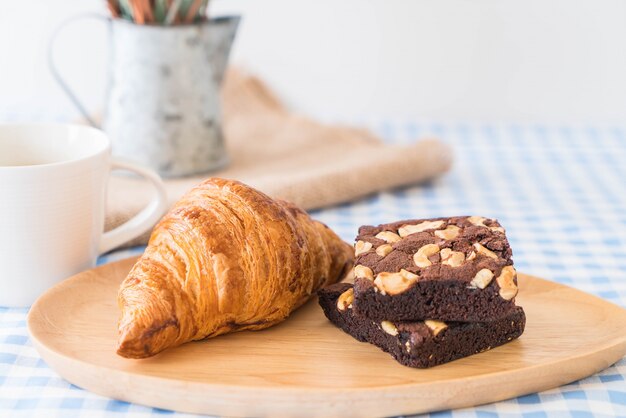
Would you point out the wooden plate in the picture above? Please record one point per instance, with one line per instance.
(307, 367)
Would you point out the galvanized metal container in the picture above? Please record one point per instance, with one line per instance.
(163, 106)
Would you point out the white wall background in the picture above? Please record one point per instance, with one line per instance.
(485, 60)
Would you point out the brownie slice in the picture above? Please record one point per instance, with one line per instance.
(419, 344)
(452, 269)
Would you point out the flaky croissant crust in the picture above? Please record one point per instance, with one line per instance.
(226, 258)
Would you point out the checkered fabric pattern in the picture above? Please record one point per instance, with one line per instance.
(559, 191)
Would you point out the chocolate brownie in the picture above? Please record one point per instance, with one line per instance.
(419, 344)
(452, 269)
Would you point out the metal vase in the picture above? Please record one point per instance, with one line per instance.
(163, 106)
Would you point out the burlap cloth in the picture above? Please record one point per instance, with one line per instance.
(291, 157)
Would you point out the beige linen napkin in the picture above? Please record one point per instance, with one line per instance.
(291, 157)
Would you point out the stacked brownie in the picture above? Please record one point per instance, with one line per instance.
(429, 291)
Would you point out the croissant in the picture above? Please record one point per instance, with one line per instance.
(226, 258)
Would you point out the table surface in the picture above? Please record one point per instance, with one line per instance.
(560, 191)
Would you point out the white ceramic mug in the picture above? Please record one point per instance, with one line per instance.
(53, 182)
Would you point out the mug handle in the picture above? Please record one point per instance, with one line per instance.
(55, 71)
(145, 219)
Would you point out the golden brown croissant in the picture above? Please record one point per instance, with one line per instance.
(226, 258)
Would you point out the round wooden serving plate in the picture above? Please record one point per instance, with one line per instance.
(307, 367)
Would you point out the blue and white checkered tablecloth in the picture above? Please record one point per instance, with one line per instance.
(559, 190)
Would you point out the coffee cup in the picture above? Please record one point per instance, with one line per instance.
(53, 181)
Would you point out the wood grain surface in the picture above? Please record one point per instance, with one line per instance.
(307, 367)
